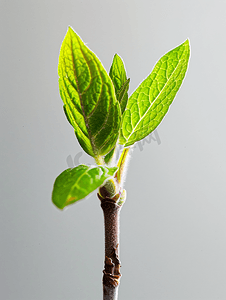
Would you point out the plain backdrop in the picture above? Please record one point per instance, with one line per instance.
(173, 224)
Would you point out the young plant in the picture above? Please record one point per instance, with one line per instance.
(103, 116)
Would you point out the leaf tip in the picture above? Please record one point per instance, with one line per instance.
(187, 42)
(69, 28)
(60, 207)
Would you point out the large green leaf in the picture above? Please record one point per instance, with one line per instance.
(151, 100)
(75, 184)
(89, 98)
(121, 83)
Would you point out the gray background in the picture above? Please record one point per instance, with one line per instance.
(173, 224)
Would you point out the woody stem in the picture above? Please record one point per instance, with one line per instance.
(111, 271)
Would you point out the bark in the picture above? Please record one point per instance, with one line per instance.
(111, 270)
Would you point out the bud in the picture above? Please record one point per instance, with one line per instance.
(122, 198)
(110, 189)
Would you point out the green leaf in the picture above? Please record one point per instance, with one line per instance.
(122, 96)
(121, 83)
(117, 72)
(89, 98)
(151, 100)
(75, 184)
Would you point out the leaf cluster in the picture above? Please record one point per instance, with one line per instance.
(102, 114)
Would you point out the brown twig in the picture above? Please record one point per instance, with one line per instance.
(111, 277)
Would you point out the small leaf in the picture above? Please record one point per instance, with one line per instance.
(151, 100)
(89, 98)
(76, 183)
(117, 72)
(121, 84)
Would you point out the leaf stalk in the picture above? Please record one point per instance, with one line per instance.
(122, 164)
(99, 160)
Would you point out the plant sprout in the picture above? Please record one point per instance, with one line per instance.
(103, 117)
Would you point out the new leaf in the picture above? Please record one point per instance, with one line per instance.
(120, 81)
(121, 85)
(151, 100)
(89, 98)
(75, 184)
